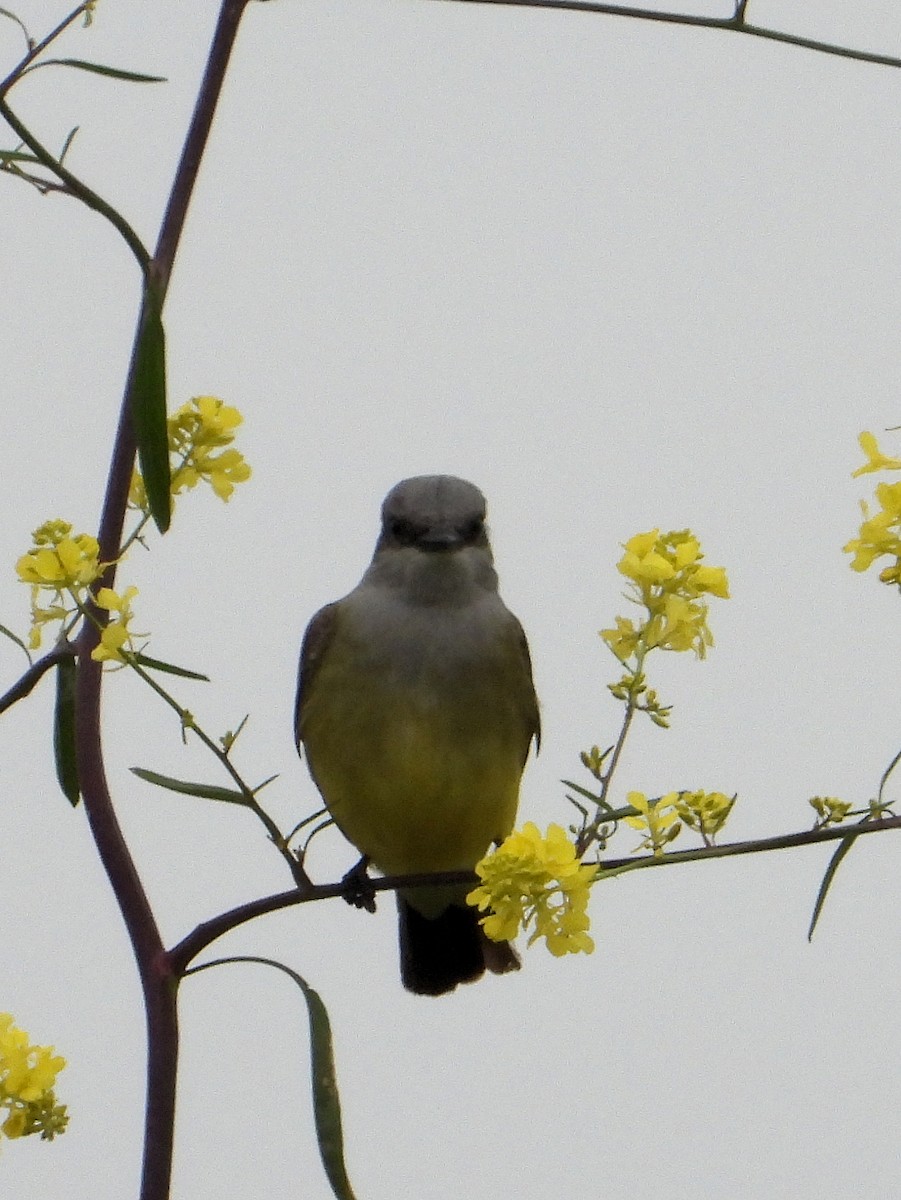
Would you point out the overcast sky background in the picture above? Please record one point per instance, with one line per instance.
(620, 274)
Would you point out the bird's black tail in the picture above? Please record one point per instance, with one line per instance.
(437, 953)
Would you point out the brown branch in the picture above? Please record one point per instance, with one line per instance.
(182, 954)
(158, 984)
(735, 23)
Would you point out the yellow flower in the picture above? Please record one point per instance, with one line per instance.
(115, 637)
(196, 431)
(667, 578)
(137, 492)
(705, 812)
(530, 880)
(879, 534)
(71, 563)
(27, 1076)
(876, 460)
(15, 1124)
(63, 565)
(829, 809)
(624, 639)
(657, 820)
(712, 580)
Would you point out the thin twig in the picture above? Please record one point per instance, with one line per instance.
(37, 48)
(75, 186)
(735, 23)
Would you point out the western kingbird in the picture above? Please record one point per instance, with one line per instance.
(416, 710)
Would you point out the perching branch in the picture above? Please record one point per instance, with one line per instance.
(182, 955)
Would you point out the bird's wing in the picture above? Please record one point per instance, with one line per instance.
(532, 715)
(315, 644)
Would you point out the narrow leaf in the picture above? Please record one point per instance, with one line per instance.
(4, 12)
(156, 664)
(265, 783)
(205, 791)
(326, 1101)
(100, 69)
(64, 730)
(834, 863)
(582, 791)
(70, 138)
(14, 637)
(324, 1080)
(148, 408)
(18, 156)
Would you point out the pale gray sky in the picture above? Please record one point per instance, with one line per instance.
(620, 275)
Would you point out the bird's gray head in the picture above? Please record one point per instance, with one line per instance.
(433, 513)
(433, 531)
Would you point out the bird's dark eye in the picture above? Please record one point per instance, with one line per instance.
(473, 529)
(403, 531)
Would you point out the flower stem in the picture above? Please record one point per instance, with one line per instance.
(157, 979)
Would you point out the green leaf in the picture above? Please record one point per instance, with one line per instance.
(14, 637)
(595, 799)
(205, 791)
(4, 12)
(64, 730)
(100, 69)
(265, 783)
(324, 1080)
(156, 664)
(70, 138)
(326, 1100)
(148, 408)
(18, 156)
(834, 863)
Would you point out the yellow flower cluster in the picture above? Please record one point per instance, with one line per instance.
(667, 578)
(530, 880)
(116, 639)
(829, 809)
(27, 1076)
(199, 429)
(66, 565)
(661, 820)
(62, 565)
(880, 533)
(705, 812)
(657, 820)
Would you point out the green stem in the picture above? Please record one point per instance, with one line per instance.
(784, 841)
(75, 186)
(38, 48)
(603, 815)
(187, 720)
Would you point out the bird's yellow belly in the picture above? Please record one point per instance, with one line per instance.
(418, 781)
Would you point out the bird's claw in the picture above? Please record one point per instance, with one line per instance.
(358, 890)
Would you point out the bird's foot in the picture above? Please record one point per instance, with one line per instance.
(358, 889)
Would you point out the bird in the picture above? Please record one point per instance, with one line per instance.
(415, 712)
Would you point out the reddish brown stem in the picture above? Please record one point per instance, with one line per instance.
(157, 980)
